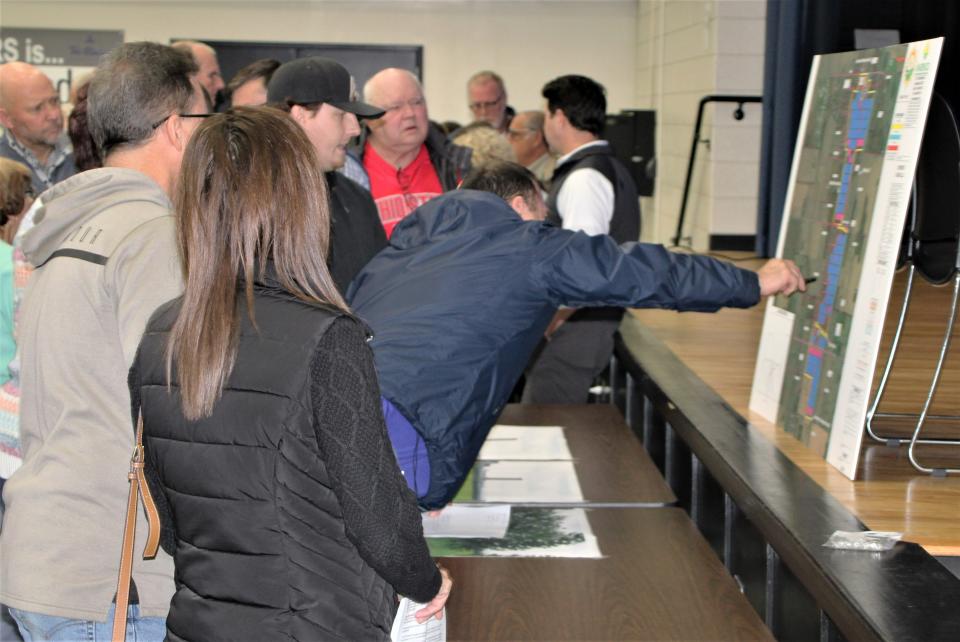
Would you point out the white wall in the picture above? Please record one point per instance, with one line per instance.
(687, 49)
(676, 67)
(735, 145)
(656, 54)
(527, 42)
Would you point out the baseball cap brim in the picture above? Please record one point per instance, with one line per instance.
(360, 109)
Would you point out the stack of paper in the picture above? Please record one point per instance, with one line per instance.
(406, 629)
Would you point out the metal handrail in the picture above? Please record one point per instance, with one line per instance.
(737, 114)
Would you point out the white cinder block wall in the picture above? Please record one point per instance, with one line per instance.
(650, 54)
(735, 148)
(527, 41)
(687, 49)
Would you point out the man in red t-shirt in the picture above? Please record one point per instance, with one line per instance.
(408, 161)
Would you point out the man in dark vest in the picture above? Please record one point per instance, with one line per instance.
(594, 193)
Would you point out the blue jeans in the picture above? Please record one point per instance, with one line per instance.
(9, 631)
(8, 628)
(35, 627)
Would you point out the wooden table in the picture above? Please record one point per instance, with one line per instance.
(759, 497)
(611, 464)
(659, 580)
(888, 495)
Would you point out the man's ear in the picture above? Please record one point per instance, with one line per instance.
(520, 207)
(558, 114)
(298, 114)
(4, 118)
(172, 130)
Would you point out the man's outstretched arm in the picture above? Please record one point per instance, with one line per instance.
(581, 270)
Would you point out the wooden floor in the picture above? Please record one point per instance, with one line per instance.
(889, 494)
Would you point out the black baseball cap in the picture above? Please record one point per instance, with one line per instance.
(305, 81)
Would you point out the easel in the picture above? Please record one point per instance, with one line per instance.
(931, 247)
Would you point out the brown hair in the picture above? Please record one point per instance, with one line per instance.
(85, 153)
(250, 190)
(15, 186)
(506, 180)
(263, 68)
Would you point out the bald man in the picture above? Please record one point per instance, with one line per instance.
(209, 75)
(408, 160)
(33, 125)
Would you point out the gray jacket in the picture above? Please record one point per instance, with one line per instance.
(106, 257)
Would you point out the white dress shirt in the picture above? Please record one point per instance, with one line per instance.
(585, 201)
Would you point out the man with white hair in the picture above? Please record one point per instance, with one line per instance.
(409, 161)
(530, 145)
(33, 125)
(209, 75)
(487, 100)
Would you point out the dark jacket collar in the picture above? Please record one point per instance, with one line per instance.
(265, 279)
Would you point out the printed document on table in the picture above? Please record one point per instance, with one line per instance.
(525, 442)
(527, 481)
(406, 629)
(468, 521)
(549, 532)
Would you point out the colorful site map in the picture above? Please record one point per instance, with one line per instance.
(854, 162)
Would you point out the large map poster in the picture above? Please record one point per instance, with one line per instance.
(853, 166)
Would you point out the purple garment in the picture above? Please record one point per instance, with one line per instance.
(409, 449)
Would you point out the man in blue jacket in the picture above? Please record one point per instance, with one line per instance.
(464, 292)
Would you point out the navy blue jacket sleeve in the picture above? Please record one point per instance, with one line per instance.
(590, 271)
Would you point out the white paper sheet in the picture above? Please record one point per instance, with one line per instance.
(468, 521)
(527, 481)
(525, 443)
(406, 629)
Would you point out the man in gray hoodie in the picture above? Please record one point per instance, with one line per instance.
(105, 257)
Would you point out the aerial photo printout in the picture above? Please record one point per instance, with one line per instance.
(853, 165)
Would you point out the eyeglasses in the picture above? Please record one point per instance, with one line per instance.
(110, 143)
(163, 120)
(484, 105)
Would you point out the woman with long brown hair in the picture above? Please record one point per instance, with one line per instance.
(283, 505)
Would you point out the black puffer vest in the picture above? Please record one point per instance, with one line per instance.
(625, 224)
(261, 551)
